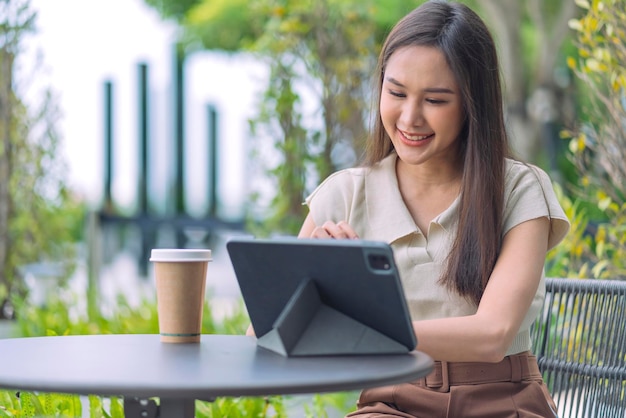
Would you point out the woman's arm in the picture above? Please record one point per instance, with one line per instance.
(486, 335)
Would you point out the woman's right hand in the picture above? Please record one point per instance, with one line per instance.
(339, 230)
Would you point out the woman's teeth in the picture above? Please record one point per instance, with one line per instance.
(416, 137)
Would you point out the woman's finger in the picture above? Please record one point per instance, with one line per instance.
(330, 229)
(347, 230)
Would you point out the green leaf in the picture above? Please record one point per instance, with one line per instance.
(95, 407)
(117, 407)
(599, 268)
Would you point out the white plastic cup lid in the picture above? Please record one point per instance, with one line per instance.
(180, 255)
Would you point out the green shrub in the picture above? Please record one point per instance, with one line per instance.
(598, 146)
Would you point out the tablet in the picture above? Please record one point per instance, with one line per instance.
(323, 297)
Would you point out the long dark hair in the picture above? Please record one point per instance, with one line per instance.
(470, 52)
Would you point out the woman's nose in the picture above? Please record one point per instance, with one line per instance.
(412, 114)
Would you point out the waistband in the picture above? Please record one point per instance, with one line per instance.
(514, 368)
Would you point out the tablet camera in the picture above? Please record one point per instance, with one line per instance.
(379, 262)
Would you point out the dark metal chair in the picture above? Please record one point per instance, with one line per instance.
(580, 344)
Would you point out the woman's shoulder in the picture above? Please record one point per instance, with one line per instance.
(516, 167)
(337, 187)
(351, 179)
(343, 178)
(519, 173)
(529, 194)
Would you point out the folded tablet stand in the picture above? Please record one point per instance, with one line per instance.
(309, 327)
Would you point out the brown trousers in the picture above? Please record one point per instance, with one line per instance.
(512, 388)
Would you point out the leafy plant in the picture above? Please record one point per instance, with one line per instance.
(598, 146)
(40, 219)
(571, 257)
(322, 51)
(242, 408)
(27, 404)
(341, 402)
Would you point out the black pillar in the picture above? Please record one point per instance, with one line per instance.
(142, 82)
(146, 225)
(108, 146)
(179, 123)
(212, 138)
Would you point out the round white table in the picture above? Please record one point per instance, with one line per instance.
(141, 367)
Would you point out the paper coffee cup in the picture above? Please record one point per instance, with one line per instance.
(180, 276)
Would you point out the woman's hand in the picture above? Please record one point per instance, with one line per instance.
(339, 230)
(250, 331)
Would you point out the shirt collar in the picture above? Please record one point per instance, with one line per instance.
(449, 217)
(388, 216)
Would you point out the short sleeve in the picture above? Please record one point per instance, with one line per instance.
(332, 199)
(529, 194)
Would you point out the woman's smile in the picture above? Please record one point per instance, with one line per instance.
(415, 139)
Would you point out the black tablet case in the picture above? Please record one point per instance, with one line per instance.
(323, 297)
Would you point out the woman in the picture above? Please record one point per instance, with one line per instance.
(470, 227)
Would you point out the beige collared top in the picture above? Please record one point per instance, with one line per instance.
(370, 201)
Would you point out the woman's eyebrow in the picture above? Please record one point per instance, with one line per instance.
(394, 81)
(426, 90)
(438, 90)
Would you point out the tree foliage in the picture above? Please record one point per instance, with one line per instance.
(174, 9)
(328, 50)
(39, 218)
(320, 52)
(598, 145)
(228, 25)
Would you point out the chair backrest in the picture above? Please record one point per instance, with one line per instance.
(580, 343)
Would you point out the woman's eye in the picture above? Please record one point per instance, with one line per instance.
(396, 93)
(435, 101)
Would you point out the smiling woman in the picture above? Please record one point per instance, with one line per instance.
(469, 225)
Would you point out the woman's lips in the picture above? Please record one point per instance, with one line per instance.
(415, 137)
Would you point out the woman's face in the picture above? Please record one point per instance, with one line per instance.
(420, 106)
